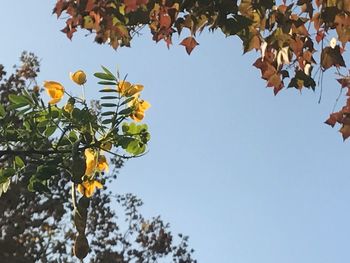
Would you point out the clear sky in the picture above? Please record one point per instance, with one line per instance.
(248, 176)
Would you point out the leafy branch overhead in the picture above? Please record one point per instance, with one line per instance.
(293, 37)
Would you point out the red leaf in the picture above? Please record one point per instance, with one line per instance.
(165, 20)
(190, 43)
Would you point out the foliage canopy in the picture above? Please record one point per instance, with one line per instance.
(293, 37)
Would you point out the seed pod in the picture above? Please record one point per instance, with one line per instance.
(81, 246)
(80, 222)
(80, 216)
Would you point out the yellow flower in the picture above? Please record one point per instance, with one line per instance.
(140, 107)
(55, 90)
(127, 89)
(134, 90)
(78, 77)
(102, 164)
(68, 107)
(123, 86)
(90, 162)
(87, 188)
(94, 164)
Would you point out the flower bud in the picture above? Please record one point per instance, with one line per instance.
(78, 77)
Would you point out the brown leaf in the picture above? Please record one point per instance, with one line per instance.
(334, 118)
(59, 7)
(345, 131)
(331, 57)
(190, 43)
(345, 82)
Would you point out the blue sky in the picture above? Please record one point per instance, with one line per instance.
(250, 177)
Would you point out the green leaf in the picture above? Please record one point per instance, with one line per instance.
(109, 97)
(19, 99)
(108, 121)
(109, 105)
(16, 106)
(135, 147)
(107, 113)
(30, 187)
(73, 136)
(109, 90)
(104, 76)
(107, 83)
(2, 111)
(124, 141)
(126, 111)
(8, 172)
(50, 130)
(4, 186)
(133, 128)
(106, 70)
(19, 162)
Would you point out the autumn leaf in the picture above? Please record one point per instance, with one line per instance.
(189, 43)
(345, 131)
(345, 82)
(165, 20)
(332, 57)
(333, 119)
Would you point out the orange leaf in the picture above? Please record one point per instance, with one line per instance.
(190, 43)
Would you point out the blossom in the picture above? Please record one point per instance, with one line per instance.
(127, 89)
(102, 164)
(95, 162)
(55, 90)
(79, 77)
(88, 187)
(91, 162)
(140, 107)
(134, 90)
(123, 86)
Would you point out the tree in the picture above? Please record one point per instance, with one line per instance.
(37, 227)
(287, 33)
